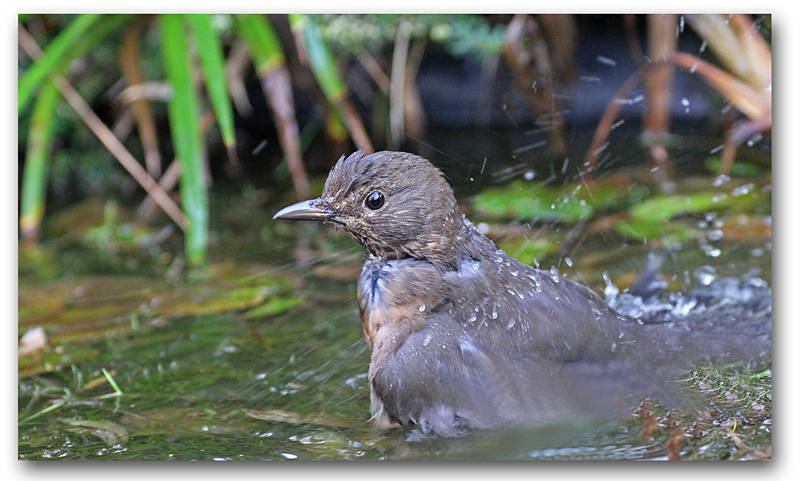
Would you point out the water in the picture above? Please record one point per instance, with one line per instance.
(263, 358)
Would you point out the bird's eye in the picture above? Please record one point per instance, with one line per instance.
(375, 200)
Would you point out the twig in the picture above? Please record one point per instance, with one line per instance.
(105, 135)
(374, 70)
(141, 108)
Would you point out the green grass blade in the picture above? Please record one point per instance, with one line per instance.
(184, 115)
(319, 57)
(265, 49)
(55, 55)
(34, 176)
(321, 60)
(213, 63)
(111, 381)
(323, 65)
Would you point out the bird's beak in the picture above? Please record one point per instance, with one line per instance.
(314, 209)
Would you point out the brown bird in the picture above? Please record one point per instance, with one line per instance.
(461, 334)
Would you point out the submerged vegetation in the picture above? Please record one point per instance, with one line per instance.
(160, 316)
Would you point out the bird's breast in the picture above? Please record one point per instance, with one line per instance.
(396, 298)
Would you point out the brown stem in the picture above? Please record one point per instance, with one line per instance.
(354, 125)
(745, 98)
(278, 89)
(235, 67)
(141, 108)
(527, 54)
(629, 20)
(374, 70)
(740, 132)
(168, 181)
(661, 43)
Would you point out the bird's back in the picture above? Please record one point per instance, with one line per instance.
(498, 342)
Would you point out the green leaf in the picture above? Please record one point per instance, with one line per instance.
(55, 55)
(319, 57)
(528, 251)
(213, 63)
(275, 306)
(665, 207)
(34, 176)
(738, 169)
(650, 229)
(262, 41)
(532, 203)
(184, 115)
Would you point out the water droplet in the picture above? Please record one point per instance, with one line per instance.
(715, 235)
(755, 138)
(422, 308)
(610, 289)
(606, 61)
(720, 180)
(705, 275)
(742, 190)
(685, 103)
(259, 148)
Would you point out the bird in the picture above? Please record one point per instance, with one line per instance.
(463, 336)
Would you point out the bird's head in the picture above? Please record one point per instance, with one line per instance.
(394, 204)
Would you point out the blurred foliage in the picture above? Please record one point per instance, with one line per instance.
(154, 331)
(704, 209)
(460, 35)
(86, 48)
(577, 201)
